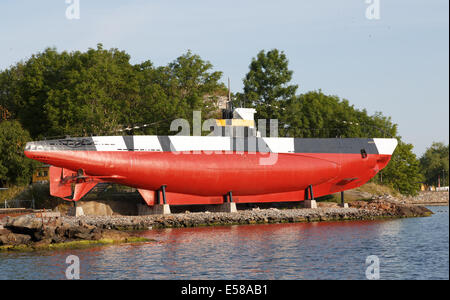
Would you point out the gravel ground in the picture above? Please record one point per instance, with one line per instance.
(254, 216)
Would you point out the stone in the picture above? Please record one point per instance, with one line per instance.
(95, 208)
(75, 211)
(14, 239)
(62, 230)
(3, 236)
(24, 224)
(115, 235)
(344, 205)
(58, 239)
(228, 207)
(83, 235)
(42, 243)
(96, 234)
(47, 232)
(157, 209)
(78, 232)
(310, 204)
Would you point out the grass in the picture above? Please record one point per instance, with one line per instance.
(378, 189)
(356, 194)
(73, 244)
(11, 193)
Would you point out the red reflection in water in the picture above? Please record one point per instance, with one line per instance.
(253, 231)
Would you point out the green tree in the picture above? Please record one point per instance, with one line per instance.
(434, 164)
(98, 92)
(174, 91)
(266, 85)
(194, 79)
(15, 168)
(315, 114)
(92, 94)
(403, 171)
(69, 93)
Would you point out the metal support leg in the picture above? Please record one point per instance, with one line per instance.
(230, 196)
(163, 190)
(158, 197)
(76, 211)
(311, 192)
(309, 198)
(343, 204)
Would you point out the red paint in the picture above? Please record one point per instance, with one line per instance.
(193, 178)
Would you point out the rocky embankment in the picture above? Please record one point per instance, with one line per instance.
(361, 210)
(392, 209)
(423, 198)
(31, 232)
(427, 198)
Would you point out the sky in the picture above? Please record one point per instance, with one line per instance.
(381, 55)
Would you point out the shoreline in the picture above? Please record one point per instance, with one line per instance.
(25, 233)
(244, 217)
(430, 204)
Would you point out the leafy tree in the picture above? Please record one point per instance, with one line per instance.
(266, 84)
(174, 91)
(315, 114)
(403, 171)
(15, 168)
(99, 92)
(434, 164)
(194, 79)
(69, 93)
(92, 93)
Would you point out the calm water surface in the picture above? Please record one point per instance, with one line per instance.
(416, 248)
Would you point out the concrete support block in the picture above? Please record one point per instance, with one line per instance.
(76, 212)
(310, 204)
(344, 205)
(157, 209)
(229, 207)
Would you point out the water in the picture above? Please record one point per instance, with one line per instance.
(416, 248)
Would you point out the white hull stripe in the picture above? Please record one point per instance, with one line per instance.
(217, 143)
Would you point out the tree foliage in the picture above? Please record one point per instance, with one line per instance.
(15, 168)
(266, 84)
(315, 114)
(434, 164)
(99, 92)
(403, 171)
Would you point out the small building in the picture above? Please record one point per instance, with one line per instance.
(40, 175)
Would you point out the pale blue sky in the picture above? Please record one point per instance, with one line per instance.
(398, 65)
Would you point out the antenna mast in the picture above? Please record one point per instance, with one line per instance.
(229, 104)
